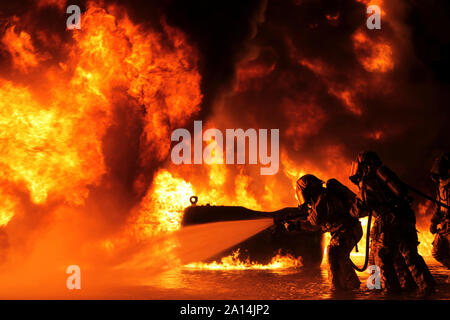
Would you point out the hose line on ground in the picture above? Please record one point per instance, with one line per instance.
(366, 259)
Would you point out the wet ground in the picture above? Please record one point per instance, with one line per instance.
(296, 284)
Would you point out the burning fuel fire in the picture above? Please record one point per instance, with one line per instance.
(66, 102)
(60, 132)
(232, 262)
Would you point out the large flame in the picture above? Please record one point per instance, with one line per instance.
(233, 262)
(51, 141)
(162, 208)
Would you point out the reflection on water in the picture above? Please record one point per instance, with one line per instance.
(297, 284)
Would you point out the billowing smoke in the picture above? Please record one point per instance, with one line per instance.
(333, 87)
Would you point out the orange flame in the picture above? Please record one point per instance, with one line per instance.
(374, 55)
(59, 125)
(232, 262)
(21, 49)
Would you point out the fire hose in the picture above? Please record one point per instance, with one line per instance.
(420, 193)
(366, 259)
(369, 220)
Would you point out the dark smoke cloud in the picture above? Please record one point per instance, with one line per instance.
(221, 30)
(408, 104)
(415, 110)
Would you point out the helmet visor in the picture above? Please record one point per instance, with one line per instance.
(355, 173)
(299, 194)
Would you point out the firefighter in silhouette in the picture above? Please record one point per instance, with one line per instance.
(394, 234)
(329, 209)
(440, 222)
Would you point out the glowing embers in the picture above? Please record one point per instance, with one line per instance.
(52, 128)
(374, 56)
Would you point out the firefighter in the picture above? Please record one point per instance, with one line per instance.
(329, 209)
(394, 235)
(440, 222)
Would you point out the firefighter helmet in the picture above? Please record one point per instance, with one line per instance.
(308, 188)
